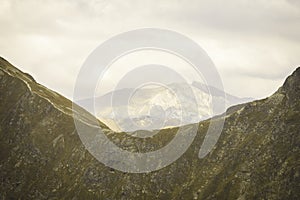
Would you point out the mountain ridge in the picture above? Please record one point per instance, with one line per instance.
(42, 156)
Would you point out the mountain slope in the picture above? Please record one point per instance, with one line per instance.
(42, 157)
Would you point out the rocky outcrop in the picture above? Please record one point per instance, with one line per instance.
(42, 157)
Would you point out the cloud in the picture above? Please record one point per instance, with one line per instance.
(252, 43)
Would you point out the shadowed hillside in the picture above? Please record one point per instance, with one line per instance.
(42, 157)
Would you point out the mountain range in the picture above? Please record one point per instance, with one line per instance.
(42, 157)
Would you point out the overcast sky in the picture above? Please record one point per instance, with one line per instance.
(255, 44)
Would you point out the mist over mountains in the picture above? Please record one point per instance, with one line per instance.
(159, 107)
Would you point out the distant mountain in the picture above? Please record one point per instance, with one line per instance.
(42, 156)
(159, 107)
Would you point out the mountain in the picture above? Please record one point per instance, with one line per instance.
(42, 157)
(159, 107)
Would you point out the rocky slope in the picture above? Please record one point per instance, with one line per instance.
(42, 157)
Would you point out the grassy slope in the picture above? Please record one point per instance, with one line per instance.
(42, 157)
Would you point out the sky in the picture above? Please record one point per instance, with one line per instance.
(254, 44)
